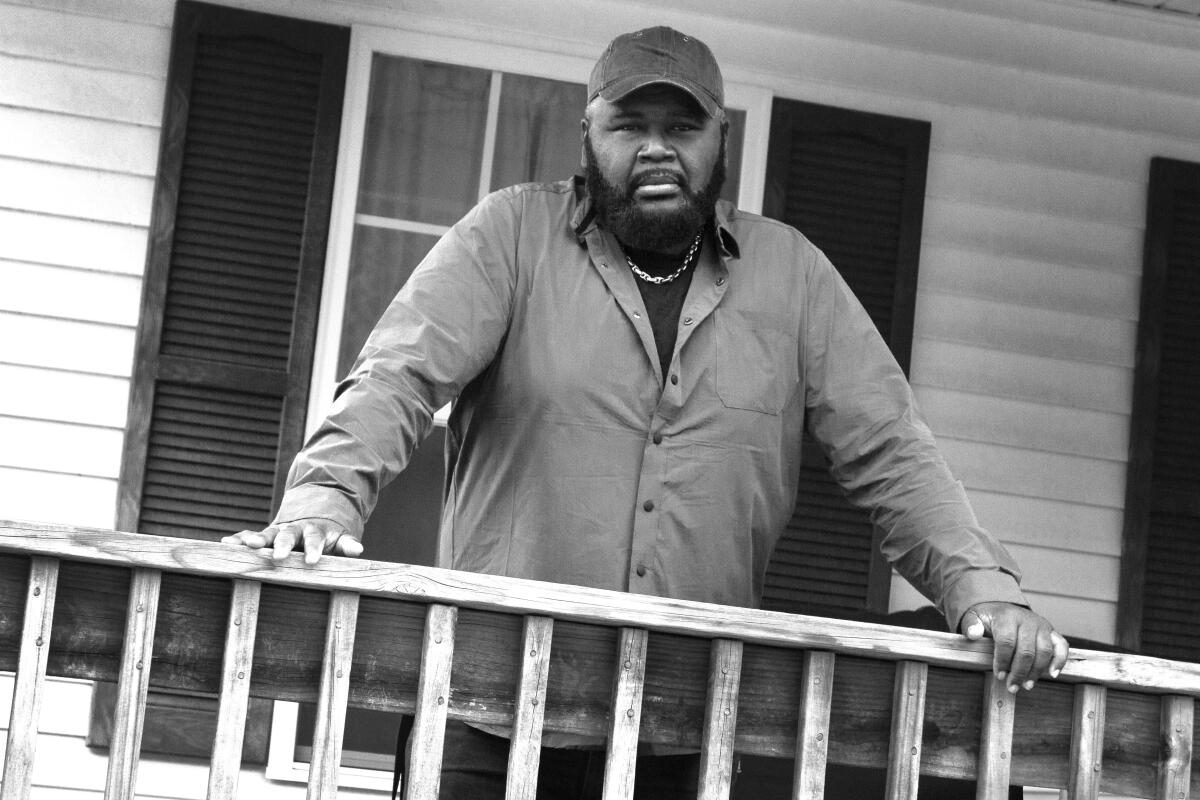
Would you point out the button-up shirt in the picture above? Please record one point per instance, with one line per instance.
(573, 457)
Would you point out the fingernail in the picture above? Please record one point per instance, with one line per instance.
(1013, 688)
(1028, 685)
(1001, 675)
(1054, 673)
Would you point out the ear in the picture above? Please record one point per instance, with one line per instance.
(583, 132)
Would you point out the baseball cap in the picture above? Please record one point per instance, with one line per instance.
(658, 55)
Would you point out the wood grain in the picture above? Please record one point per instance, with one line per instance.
(31, 678)
(1087, 742)
(423, 776)
(995, 744)
(720, 719)
(329, 730)
(813, 731)
(235, 690)
(1175, 764)
(908, 723)
(134, 680)
(625, 715)
(524, 755)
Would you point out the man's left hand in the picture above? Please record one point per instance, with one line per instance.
(1027, 646)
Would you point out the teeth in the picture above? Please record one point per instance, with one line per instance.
(658, 188)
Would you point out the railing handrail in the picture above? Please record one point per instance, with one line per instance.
(576, 603)
(1112, 683)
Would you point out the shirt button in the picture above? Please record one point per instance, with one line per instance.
(641, 570)
(648, 505)
(688, 320)
(658, 438)
(721, 281)
(674, 380)
(637, 315)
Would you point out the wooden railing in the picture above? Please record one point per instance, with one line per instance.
(154, 611)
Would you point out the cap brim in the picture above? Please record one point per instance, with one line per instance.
(622, 88)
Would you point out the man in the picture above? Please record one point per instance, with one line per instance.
(633, 363)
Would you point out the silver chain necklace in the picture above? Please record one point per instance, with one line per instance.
(687, 262)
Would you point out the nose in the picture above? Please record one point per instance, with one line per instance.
(656, 147)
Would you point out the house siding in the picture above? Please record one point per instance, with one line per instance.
(1045, 114)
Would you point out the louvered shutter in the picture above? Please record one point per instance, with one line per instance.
(233, 272)
(1160, 590)
(854, 183)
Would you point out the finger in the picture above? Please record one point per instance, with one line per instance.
(1061, 651)
(1043, 656)
(347, 545)
(973, 626)
(1006, 644)
(246, 539)
(1024, 655)
(285, 540)
(314, 542)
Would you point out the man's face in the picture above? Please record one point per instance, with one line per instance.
(655, 164)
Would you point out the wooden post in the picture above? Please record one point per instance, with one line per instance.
(626, 715)
(812, 734)
(132, 684)
(330, 723)
(995, 747)
(31, 678)
(1175, 768)
(423, 777)
(908, 722)
(525, 750)
(1087, 742)
(235, 690)
(720, 719)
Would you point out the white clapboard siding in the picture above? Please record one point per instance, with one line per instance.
(55, 395)
(48, 137)
(70, 293)
(88, 41)
(995, 276)
(60, 447)
(1091, 577)
(66, 345)
(75, 192)
(1022, 424)
(81, 91)
(1054, 523)
(59, 497)
(1030, 473)
(43, 239)
(1019, 376)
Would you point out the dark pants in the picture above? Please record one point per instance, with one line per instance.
(475, 767)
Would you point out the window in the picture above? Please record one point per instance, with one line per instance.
(1160, 598)
(854, 183)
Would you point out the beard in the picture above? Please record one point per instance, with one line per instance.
(651, 229)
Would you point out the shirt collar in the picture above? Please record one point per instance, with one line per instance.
(583, 220)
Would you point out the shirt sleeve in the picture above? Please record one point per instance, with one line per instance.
(443, 328)
(862, 412)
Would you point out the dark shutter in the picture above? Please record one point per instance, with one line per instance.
(237, 246)
(853, 183)
(1160, 592)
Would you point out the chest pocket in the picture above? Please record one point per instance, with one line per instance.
(754, 359)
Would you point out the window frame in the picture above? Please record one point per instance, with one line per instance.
(458, 48)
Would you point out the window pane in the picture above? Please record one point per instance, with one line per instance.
(423, 146)
(537, 133)
(733, 152)
(380, 263)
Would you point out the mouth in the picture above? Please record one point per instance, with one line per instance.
(656, 186)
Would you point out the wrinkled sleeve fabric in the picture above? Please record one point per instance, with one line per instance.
(862, 412)
(443, 328)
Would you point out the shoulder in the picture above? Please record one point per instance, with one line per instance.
(768, 241)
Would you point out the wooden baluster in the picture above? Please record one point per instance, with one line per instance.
(423, 777)
(1087, 742)
(995, 747)
(330, 723)
(908, 721)
(1175, 768)
(720, 719)
(132, 684)
(525, 750)
(31, 678)
(226, 759)
(626, 715)
(812, 733)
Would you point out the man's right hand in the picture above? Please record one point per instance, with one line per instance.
(314, 536)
